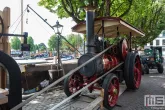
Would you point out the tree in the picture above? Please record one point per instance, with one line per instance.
(15, 43)
(74, 8)
(73, 39)
(147, 15)
(36, 47)
(31, 42)
(150, 19)
(53, 41)
(42, 47)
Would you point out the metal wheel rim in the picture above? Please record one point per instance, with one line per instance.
(137, 72)
(113, 97)
(74, 83)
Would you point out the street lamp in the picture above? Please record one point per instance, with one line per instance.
(58, 31)
(59, 27)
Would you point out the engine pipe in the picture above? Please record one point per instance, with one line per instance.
(90, 16)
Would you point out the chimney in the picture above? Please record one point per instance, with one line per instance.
(90, 16)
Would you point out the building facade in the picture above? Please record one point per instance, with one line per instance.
(158, 42)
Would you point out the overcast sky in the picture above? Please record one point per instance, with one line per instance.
(36, 28)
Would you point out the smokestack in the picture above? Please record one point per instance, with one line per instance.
(90, 15)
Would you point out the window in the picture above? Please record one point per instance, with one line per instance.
(157, 42)
(163, 42)
(151, 43)
(163, 33)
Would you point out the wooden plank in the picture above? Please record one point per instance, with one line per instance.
(4, 92)
(3, 99)
(93, 104)
(5, 43)
(98, 100)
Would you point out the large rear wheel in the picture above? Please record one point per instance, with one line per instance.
(126, 68)
(133, 71)
(111, 90)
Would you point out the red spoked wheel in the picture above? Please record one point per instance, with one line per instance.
(137, 72)
(123, 48)
(111, 90)
(133, 71)
(72, 84)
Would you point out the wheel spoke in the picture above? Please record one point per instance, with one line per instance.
(137, 76)
(74, 84)
(113, 92)
(111, 87)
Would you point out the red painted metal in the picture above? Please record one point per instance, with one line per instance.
(113, 91)
(109, 62)
(74, 83)
(106, 62)
(89, 81)
(137, 72)
(124, 49)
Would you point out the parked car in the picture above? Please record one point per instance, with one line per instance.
(66, 57)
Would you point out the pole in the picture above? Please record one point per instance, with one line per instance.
(22, 39)
(84, 44)
(52, 27)
(58, 49)
(40, 17)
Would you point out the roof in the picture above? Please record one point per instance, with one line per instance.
(110, 27)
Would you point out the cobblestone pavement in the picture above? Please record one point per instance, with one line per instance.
(152, 84)
(49, 99)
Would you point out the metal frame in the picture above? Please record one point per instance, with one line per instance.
(25, 35)
(62, 78)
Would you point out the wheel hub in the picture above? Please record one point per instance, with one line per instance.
(115, 91)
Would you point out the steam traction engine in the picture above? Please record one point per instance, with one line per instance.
(130, 71)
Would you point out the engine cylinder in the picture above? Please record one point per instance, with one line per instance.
(92, 68)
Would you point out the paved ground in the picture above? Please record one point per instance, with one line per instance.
(152, 84)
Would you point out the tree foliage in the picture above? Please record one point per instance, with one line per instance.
(15, 43)
(147, 15)
(73, 39)
(36, 48)
(53, 42)
(42, 47)
(31, 42)
(75, 8)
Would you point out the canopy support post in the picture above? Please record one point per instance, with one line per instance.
(103, 33)
(130, 42)
(117, 31)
